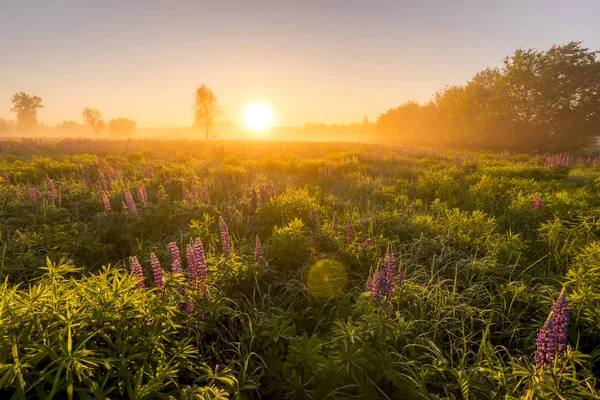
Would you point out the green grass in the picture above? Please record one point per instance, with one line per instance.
(483, 268)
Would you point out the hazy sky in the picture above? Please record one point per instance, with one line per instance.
(329, 61)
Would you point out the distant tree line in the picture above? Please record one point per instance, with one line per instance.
(25, 107)
(537, 101)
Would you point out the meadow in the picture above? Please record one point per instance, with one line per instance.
(244, 270)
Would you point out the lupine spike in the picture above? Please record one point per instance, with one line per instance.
(537, 202)
(32, 195)
(349, 232)
(130, 203)
(157, 273)
(258, 252)
(201, 269)
(560, 309)
(336, 222)
(6, 179)
(225, 239)
(52, 189)
(105, 201)
(552, 339)
(364, 245)
(136, 270)
(313, 217)
(192, 267)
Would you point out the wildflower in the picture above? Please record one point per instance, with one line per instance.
(105, 201)
(21, 236)
(136, 270)
(383, 281)
(142, 197)
(32, 195)
(363, 246)
(552, 338)
(6, 179)
(202, 272)
(561, 320)
(225, 240)
(157, 272)
(258, 252)
(336, 222)
(52, 189)
(546, 344)
(192, 267)
(200, 260)
(175, 257)
(313, 217)
(130, 203)
(537, 202)
(124, 206)
(349, 232)
(187, 196)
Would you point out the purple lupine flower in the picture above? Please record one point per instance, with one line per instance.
(336, 222)
(32, 195)
(52, 189)
(225, 240)
(200, 260)
(546, 344)
(130, 203)
(187, 196)
(560, 309)
(175, 256)
(313, 218)
(141, 193)
(202, 271)
(189, 305)
(136, 270)
(6, 179)
(349, 232)
(383, 280)
(157, 273)
(105, 201)
(192, 267)
(258, 251)
(537, 202)
(364, 244)
(176, 264)
(88, 183)
(552, 339)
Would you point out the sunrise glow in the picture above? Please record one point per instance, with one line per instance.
(258, 116)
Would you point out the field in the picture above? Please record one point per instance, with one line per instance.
(242, 270)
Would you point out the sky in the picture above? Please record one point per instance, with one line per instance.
(326, 61)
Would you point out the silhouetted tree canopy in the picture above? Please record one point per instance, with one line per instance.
(25, 106)
(206, 108)
(538, 100)
(121, 127)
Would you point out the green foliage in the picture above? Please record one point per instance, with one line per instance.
(481, 269)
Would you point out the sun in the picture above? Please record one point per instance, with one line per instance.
(258, 116)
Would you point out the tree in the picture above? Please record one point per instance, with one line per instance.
(206, 108)
(25, 106)
(68, 126)
(121, 127)
(93, 118)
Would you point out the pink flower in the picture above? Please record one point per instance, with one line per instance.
(105, 201)
(136, 270)
(157, 272)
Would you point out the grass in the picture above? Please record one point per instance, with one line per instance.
(482, 269)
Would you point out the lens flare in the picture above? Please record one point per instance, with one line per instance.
(327, 278)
